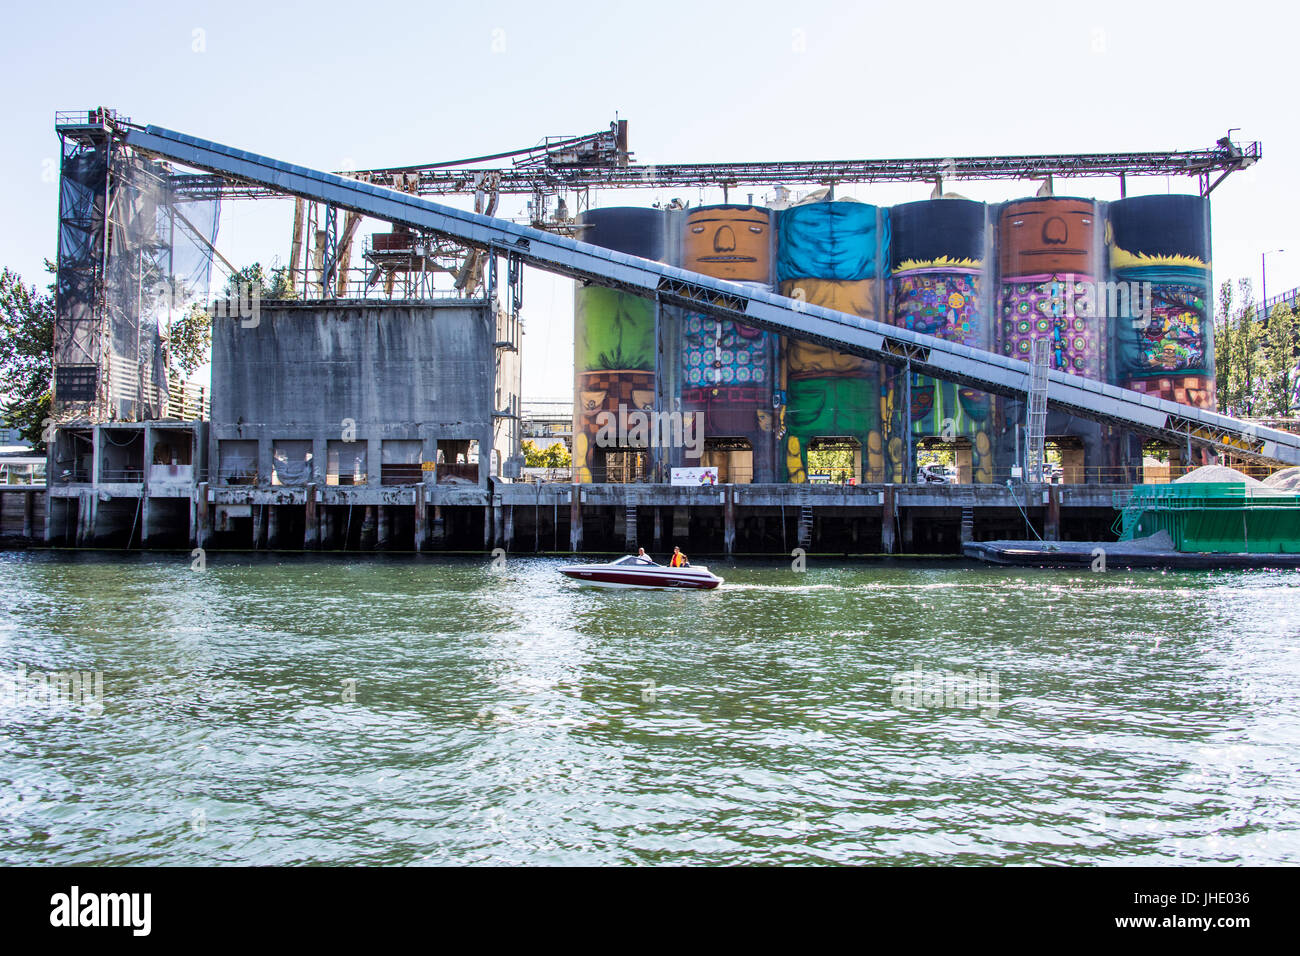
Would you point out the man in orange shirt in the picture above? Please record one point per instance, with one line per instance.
(678, 559)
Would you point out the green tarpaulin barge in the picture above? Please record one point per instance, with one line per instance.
(1213, 517)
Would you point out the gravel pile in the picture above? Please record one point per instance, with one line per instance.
(1288, 479)
(1217, 473)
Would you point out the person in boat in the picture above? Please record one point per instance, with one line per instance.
(642, 557)
(678, 559)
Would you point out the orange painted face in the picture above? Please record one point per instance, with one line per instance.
(729, 242)
(1047, 236)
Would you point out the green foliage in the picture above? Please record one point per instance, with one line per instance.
(555, 455)
(837, 462)
(1253, 359)
(189, 340)
(275, 285)
(1279, 360)
(26, 355)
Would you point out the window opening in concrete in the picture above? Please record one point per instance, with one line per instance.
(345, 463)
(400, 464)
(834, 460)
(732, 458)
(237, 462)
(291, 462)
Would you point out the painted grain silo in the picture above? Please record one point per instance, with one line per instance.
(1049, 260)
(726, 368)
(614, 350)
(829, 254)
(938, 286)
(1159, 249)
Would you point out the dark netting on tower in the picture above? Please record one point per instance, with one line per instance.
(83, 190)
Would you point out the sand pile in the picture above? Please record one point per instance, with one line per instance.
(1288, 479)
(1218, 473)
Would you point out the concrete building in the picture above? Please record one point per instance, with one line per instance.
(125, 484)
(341, 424)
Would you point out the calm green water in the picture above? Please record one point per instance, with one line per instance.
(504, 717)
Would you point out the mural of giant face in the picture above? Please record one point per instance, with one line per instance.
(1047, 236)
(1048, 261)
(729, 242)
(937, 288)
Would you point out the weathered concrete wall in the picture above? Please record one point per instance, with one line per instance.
(425, 371)
(315, 364)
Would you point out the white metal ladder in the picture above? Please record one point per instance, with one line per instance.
(1036, 410)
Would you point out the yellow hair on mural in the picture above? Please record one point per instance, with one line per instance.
(1123, 259)
(942, 262)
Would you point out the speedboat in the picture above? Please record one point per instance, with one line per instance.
(637, 572)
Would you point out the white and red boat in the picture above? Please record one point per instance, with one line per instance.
(638, 572)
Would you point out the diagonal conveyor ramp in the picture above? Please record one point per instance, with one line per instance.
(1168, 421)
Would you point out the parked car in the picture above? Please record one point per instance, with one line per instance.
(936, 475)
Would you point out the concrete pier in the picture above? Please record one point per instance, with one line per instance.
(601, 518)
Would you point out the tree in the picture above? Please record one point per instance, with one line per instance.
(1246, 344)
(554, 455)
(533, 456)
(190, 337)
(189, 341)
(26, 355)
(1224, 341)
(1279, 360)
(276, 285)
(557, 456)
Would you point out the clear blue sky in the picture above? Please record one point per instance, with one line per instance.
(336, 85)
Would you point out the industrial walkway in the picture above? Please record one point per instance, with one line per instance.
(1179, 425)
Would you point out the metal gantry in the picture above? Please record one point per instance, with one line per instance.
(602, 161)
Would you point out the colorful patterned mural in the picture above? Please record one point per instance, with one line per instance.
(995, 278)
(1049, 264)
(1159, 246)
(937, 288)
(726, 367)
(829, 254)
(614, 334)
